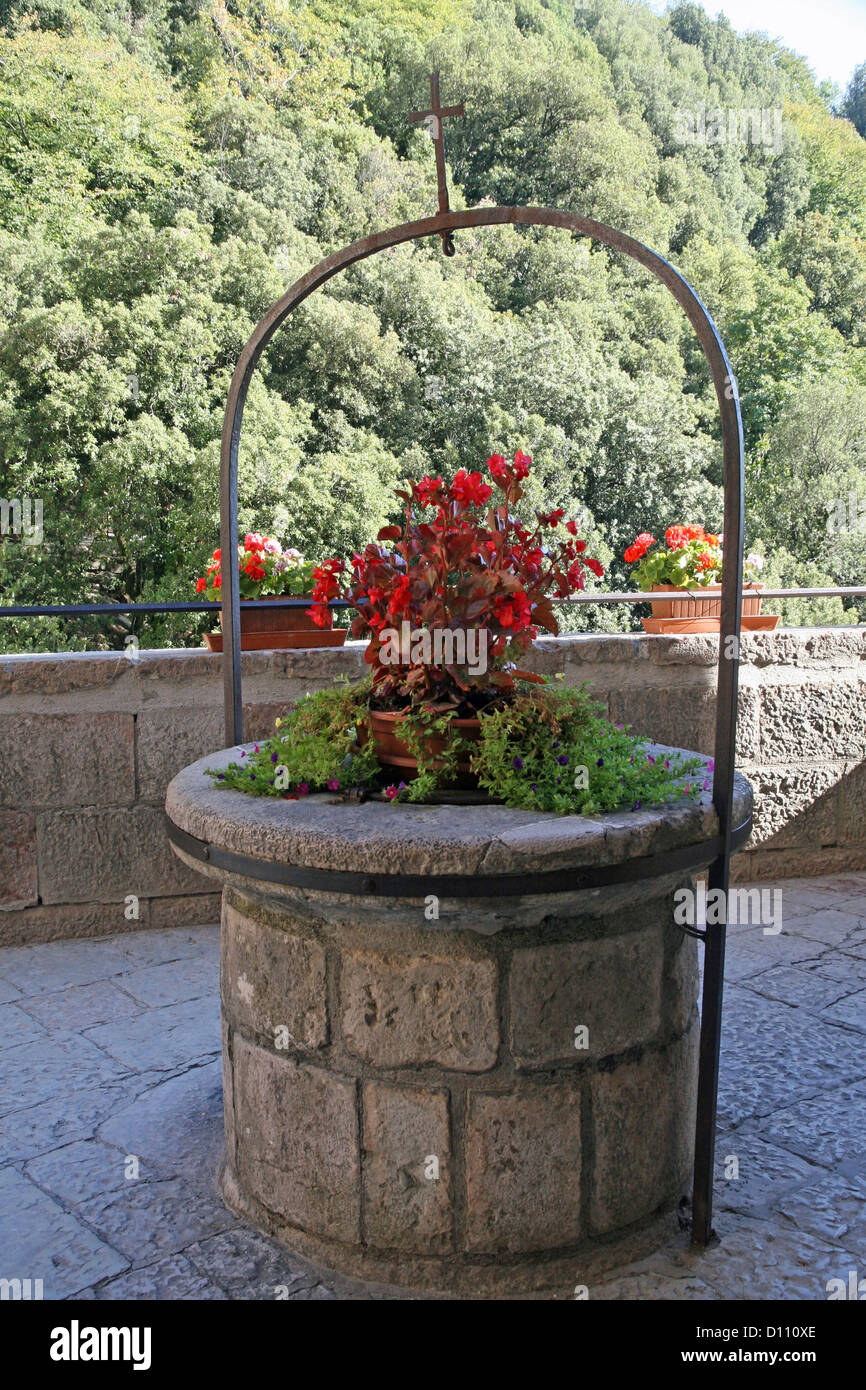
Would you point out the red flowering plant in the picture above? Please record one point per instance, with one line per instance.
(265, 570)
(689, 557)
(461, 566)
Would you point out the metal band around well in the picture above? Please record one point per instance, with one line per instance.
(456, 885)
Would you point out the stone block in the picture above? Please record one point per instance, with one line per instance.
(852, 805)
(684, 715)
(66, 760)
(407, 1169)
(69, 921)
(299, 1155)
(105, 854)
(611, 988)
(169, 739)
(808, 722)
(796, 805)
(643, 1128)
(194, 910)
(408, 1010)
(18, 881)
(523, 1169)
(273, 978)
(681, 980)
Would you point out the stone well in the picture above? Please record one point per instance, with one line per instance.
(496, 1099)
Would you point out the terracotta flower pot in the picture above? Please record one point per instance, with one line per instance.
(269, 629)
(686, 605)
(392, 751)
(700, 607)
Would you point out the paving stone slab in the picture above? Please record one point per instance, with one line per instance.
(827, 1128)
(850, 1011)
(150, 1219)
(798, 985)
(835, 927)
(80, 1171)
(65, 1118)
(249, 1266)
(760, 1260)
(173, 982)
(168, 944)
(833, 1208)
(54, 965)
(650, 1287)
(765, 1172)
(771, 1058)
(164, 1038)
(82, 1006)
(39, 1240)
(58, 1065)
(177, 1124)
(17, 1028)
(173, 1278)
(752, 952)
(8, 991)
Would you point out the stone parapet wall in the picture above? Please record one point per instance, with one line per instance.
(89, 742)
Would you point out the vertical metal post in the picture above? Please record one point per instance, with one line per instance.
(723, 795)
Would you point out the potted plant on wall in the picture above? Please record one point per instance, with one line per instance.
(687, 565)
(266, 570)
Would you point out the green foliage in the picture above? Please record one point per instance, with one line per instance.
(549, 749)
(314, 746)
(168, 168)
(854, 105)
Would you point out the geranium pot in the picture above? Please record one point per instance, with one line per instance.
(263, 628)
(701, 609)
(392, 751)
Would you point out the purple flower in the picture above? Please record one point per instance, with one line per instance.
(711, 765)
(600, 762)
(650, 759)
(517, 762)
(333, 784)
(221, 777)
(273, 757)
(243, 755)
(688, 788)
(562, 760)
(252, 776)
(667, 762)
(534, 787)
(256, 748)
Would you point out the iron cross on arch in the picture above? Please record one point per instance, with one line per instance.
(433, 117)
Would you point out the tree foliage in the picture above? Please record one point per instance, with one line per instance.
(169, 167)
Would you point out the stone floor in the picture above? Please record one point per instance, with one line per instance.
(110, 1122)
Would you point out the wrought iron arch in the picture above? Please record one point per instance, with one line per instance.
(444, 224)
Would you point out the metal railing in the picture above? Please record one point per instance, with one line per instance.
(68, 610)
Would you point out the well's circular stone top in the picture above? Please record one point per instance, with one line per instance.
(322, 832)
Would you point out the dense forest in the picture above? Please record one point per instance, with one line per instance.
(169, 167)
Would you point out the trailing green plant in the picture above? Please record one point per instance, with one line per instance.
(315, 748)
(554, 749)
(548, 748)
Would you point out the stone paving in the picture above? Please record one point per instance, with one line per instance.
(111, 1122)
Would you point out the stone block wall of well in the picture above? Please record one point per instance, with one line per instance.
(412, 1104)
(89, 742)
